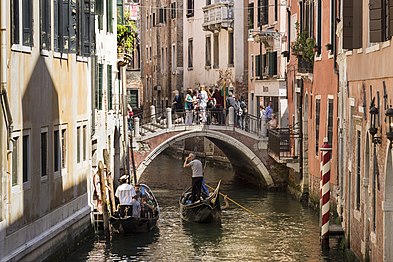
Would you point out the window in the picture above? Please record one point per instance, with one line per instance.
(275, 10)
(98, 95)
(358, 154)
(161, 15)
(15, 157)
(133, 97)
(78, 144)
(150, 53)
(231, 51)
(265, 12)
(251, 16)
(154, 20)
(26, 158)
(208, 47)
(330, 121)
(64, 148)
(56, 150)
(381, 20)
(87, 28)
(258, 71)
(120, 12)
(162, 60)
(208, 2)
(272, 63)
(173, 10)
(44, 152)
(216, 54)
(317, 115)
(109, 86)
(99, 9)
(190, 8)
(84, 143)
(45, 22)
(174, 59)
(190, 53)
(109, 16)
(353, 25)
(319, 27)
(252, 67)
(22, 21)
(65, 26)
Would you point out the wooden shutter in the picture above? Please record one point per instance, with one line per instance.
(376, 21)
(353, 26)
(65, 22)
(390, 18)
(272, 63)
(258, 65)
(358, 25)
(56, 24)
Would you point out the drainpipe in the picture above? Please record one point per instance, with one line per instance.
(3, 76)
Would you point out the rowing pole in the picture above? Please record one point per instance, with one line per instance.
(233, 201)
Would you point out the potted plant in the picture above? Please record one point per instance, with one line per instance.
(304, 45)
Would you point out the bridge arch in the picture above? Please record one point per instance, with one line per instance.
(240, 156)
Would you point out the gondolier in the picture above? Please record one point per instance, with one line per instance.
(125, 192)
(197, 176)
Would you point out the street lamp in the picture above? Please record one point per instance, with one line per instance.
(389, 124)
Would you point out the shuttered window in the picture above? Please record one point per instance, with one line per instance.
(216, 62)
(231, 49)
(258, 71)
(45, 24)
(265, 12)
(272, 63)
(208, 59)
(98, 95)
(317, 122)
(352, 25)
(251, 16)
(330, 120)
(100, 13)
(376, 21)
(86, 29)
(109, 16)
(190, 53)
(173, 10)
(109, 86)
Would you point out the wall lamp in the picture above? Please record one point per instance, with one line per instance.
(373, 129)
(389, 124)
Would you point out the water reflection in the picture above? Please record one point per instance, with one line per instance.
(287, 231)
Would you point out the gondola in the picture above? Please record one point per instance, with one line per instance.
(146, 223)
(206, 210)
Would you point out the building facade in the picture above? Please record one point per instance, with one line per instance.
(161, 52)
(46, 71)
(215, 44)
(268, 56)
(367, 178)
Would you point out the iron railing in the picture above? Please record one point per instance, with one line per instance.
(281, 143)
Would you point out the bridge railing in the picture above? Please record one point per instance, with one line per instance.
(154, 121)
(281, 143)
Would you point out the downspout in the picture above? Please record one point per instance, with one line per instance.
(3, 76)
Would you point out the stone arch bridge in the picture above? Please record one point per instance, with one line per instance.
(247, 152)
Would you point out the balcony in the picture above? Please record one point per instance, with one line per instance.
(281, 144)
(218, 15)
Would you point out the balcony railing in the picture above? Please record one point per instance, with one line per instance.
(281, 144)
(218, 15)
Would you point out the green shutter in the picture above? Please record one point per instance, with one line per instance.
(376, 21)
(109, 86)
(272, 63)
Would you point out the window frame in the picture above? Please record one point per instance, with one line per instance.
(22, 23)
(44, 174)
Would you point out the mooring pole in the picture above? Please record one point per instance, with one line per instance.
(326, 155)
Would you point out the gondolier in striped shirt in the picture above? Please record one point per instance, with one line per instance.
(197, 176)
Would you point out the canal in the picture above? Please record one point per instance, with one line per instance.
(286, 231)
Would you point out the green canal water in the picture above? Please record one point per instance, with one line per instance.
(286, 231)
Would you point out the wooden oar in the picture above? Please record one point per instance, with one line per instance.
(242, 207)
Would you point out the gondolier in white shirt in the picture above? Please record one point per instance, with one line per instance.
(125, 192)
(197, 176)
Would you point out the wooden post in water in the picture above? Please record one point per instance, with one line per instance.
(109, 178)
(104, 198)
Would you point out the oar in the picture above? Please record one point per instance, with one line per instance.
(233, 201)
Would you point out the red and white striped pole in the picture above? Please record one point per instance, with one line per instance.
(326, 155)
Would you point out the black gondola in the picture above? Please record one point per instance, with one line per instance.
(145, 223)
(206, 210)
